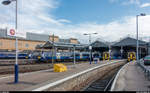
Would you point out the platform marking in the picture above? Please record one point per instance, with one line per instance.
(70, 77)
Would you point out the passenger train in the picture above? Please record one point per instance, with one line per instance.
(63, 56)
(12, 55)
(47, 56)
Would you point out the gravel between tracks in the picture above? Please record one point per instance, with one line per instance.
(30, 67)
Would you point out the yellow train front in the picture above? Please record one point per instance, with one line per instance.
(131, 56)
(106, 56)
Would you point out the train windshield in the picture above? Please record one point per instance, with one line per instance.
(85, 54)
(95, 55)
(36, 54)
(77, 54)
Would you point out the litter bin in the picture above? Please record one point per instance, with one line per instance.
(60, 68)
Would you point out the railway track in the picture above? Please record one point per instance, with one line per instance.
(104, 83)
(9, 62)
(9, 69)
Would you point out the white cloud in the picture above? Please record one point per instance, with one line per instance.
(145, 5)
(31, 15)
(126, 2)
(108, 32)
(37, 18)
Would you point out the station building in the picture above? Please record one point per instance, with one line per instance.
(42, 42)
(32, 42)
(128, 44)
(100, 46)
(63, 47)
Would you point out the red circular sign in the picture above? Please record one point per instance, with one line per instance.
(12, 32)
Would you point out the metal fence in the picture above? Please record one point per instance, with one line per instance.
(145, 68)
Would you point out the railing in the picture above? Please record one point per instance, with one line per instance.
(145, 68)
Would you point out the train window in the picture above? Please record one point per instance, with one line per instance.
(72, 55)
(36, 54)
(26, 45)
(85, 54)
(48, 53)
(96, 55)
(77, 54)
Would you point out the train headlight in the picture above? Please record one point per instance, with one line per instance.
(39, 57)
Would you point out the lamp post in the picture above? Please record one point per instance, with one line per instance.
(53, 51)
(110, 51)
(121, 50)
(74, 49)
(137, 44)
(90, 47)
(7, 2)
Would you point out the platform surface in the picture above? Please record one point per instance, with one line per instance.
(132, 78)
(33, 80)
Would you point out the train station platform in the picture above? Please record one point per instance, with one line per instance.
(131, 78)
(34, 80)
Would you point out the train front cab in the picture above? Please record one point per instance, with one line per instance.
(131, 56)
(106, 56)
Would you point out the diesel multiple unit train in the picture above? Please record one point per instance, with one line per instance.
(63, 56)
(58, 56)
(49, 56)
(12, 55)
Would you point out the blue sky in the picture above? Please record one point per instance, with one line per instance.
(112, 19)
(100, 11)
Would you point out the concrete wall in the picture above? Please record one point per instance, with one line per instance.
(78, 82)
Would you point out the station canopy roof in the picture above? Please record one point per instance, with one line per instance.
(98, 44)
(129, 42)
(49, 45)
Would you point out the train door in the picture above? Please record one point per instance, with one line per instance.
(58, 57)
(81, 57)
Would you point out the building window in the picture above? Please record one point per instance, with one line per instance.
(1, 43)
(27, 45)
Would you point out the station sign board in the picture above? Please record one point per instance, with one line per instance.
(11, 32)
